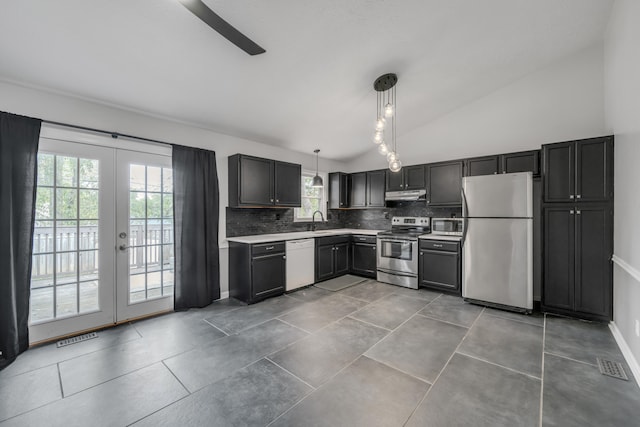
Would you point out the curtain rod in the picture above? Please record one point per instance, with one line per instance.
(114, 135)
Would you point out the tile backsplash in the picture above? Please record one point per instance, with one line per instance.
(243, 222)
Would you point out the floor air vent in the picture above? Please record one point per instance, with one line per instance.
(77, 339)
(612, 369)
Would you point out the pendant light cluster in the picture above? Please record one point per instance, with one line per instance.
(385, 129)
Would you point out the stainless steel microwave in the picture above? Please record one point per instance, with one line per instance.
(447, 226)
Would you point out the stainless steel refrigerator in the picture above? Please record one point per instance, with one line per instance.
(497, 257)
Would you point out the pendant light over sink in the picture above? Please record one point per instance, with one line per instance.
(386, 109)
(317, 180)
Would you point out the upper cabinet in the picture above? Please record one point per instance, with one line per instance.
(488, 165)
(356, 190)
(259, 182)
(408, 178)
(524, 161)
(375, 188)
(579, 171)
(338, 190)
(444, 184)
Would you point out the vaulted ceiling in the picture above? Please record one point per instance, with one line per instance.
(313, 86)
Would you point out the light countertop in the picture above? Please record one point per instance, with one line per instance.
(441, 237)
(276, 237)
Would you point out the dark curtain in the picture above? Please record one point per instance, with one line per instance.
(18, 163)
(195, 208)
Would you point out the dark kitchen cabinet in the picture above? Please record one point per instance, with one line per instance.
(363, 256)
(523, 161)
(489, 165)
(577, 261)
(255, 181)
(444, 184)
(375, 188)
(256, 271)
(358, 190)
(408, 178)
(339, 190)
(439, 265)
(332, 257)
(579, 171)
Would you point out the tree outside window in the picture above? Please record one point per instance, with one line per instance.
(312, 199)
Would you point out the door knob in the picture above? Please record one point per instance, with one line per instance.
(123, 247)
(122, 235)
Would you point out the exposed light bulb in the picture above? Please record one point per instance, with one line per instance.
(395, 165)
(383, 149)
(378, 137)
(388, 110)
(380, 124)
(391, 156)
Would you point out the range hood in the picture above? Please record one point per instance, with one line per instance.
(408, 196)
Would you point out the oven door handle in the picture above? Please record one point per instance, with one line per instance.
(397, 241)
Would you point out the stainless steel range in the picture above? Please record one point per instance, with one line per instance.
(398, 251)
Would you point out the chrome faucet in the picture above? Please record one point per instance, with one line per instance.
(313, 220)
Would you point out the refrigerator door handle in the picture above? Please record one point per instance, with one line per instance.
(465, 217)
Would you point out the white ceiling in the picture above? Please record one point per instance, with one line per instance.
(313, 86)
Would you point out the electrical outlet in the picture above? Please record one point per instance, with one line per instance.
(637, 328)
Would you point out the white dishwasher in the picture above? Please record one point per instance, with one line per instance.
(300, 263)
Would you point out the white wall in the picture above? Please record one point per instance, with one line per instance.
(58, 107)
(563, 101)
(622, 107)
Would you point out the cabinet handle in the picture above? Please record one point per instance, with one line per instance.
(269, 248)
(578, 196)
(435, 245)
(271, 200)
(373, 247)
(421, 253)
(578, 212)
(284, 257)
(571, 196)
(337, 249)
(571, 211)
(277, 201)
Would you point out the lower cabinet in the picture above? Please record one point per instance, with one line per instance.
(256, 271)
(577, 261)
(439, 265)
(363, 256)
(332, 257)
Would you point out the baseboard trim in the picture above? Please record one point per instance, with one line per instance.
(626, 351)
(224, 295)
(626, 267)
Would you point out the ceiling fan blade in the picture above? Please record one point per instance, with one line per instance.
(202, 11)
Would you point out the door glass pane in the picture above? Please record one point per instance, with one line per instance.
(63, 280)
(150, 232)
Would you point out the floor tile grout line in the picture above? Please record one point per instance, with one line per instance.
(289, 372)
(444, 321)
(544, 343)
(388, 365)
(350, 316)
(513, 320)
(435, 381)
(594, 365)
(294, 326)
(515, 371)
(176, 377)
(60, 381)
(206, 321)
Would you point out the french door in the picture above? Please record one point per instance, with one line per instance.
(103, 238)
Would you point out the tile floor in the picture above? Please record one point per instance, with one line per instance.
(369, 355)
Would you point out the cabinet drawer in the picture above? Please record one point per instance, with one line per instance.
(267, 248)
(364, 239)
(331, 240)
(439, 245)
